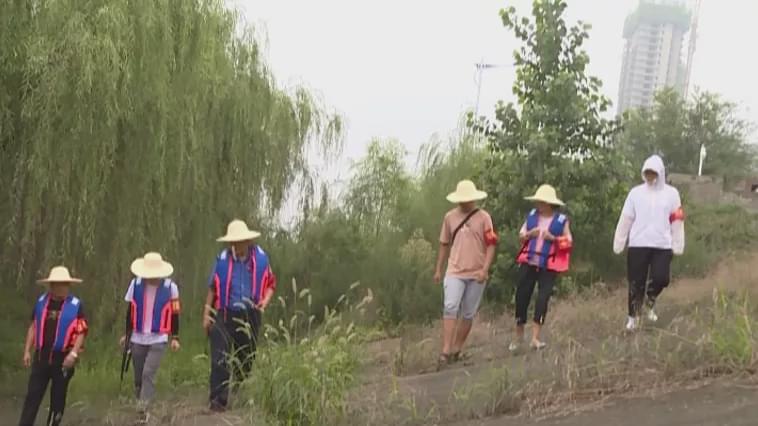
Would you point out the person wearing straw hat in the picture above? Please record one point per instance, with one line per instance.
(652, 220)
(57, 334)
(240, 288)
(152, 320)
(467, 243)
(546, 246)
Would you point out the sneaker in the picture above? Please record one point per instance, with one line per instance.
(631, 324)
(538, 345)
(651, 316)
(513, 346)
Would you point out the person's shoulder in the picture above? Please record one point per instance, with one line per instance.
(75, 300)
(222, 255)
(672, 190)
(451, 213)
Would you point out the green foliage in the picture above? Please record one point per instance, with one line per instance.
(732, 334)
(303, 375)
(128, 126)
(555, 134)
(675, 128)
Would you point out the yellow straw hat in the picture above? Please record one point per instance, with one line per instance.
(546, 194)
(151, 266)
(59, 274)
(236, 231)
(466, 192)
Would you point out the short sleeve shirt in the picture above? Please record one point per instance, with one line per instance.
(469, 249)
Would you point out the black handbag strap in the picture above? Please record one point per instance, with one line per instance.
(463, 222)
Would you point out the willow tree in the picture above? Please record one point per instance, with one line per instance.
(137, 125)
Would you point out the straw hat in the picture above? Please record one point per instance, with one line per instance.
(546, 194)
(59, 274)
(466, 192)
(238, 231)
(151, 266)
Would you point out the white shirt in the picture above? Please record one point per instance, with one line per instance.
(146, 336)
(649, 208)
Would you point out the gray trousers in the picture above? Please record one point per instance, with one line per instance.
(147, 359)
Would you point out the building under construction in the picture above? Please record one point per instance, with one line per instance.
(653, 52)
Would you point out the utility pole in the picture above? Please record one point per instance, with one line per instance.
(480, 67)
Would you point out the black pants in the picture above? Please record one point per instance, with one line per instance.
(233, 339)
(529, 276)
(42, 373)
(642, 263)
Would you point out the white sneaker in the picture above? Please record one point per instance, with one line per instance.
(631, 324)
(513, 347)
(651, 316)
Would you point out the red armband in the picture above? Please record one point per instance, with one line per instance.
(490, 237)
(564, 243)
(81, 326)
(678, 214)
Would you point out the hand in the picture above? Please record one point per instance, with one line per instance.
(437, 277)
(207, 323)
(534, 233)
(122, 341)
(175, 346)
(482, 276)
(70, 360)
(27, 359)
(548, 236)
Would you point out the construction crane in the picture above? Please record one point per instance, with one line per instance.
(691, 47)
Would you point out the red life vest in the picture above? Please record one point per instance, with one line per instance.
(554, 255)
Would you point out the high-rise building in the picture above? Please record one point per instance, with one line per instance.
(654, 36)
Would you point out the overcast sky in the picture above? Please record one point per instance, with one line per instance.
(405, 68)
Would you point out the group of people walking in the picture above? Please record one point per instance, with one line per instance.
(240, 287)
(651, 225)
(242, 284)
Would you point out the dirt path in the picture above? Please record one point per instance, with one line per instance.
(720, 404)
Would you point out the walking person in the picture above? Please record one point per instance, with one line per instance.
(467, 243)
(652, 220)
(152, 322)
(545, 253)
(56, 333)
(240, 287)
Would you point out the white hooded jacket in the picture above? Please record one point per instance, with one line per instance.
(645, 220)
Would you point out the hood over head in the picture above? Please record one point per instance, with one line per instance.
(655, 163)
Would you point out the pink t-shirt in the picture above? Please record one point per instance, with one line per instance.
(147, 318)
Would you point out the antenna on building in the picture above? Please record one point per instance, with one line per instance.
(691, 47)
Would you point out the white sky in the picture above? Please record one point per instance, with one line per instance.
(405, 68)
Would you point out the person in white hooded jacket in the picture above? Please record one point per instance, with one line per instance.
(652, 221)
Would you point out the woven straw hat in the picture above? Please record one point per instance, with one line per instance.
(466, 192)
(151, 266)
(546, 194)
(59, 274)
(236, 231)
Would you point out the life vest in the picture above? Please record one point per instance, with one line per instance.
(554, 255)
(261, 276)
(66, 327)
(162, 307)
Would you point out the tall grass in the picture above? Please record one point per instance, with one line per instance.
(303, 373)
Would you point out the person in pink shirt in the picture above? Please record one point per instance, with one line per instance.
(545, 252)
(152, 319)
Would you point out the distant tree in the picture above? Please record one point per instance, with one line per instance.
(380, 187)
(675, 129)
(555, 133)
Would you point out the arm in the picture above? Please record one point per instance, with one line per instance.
(207, 309)
(176, 309)
(442, 255)
(28, 343)
(677, 227)
(624, 225)
(269, 288)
